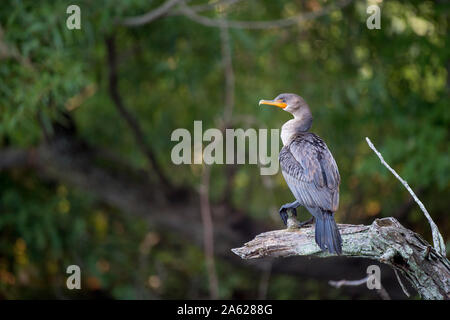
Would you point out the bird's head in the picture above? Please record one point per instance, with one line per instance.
(289, 102)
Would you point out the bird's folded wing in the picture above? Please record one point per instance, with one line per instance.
(311, 172)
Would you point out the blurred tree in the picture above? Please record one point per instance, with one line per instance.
(81, 138)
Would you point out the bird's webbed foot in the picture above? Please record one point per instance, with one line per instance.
(288, 206)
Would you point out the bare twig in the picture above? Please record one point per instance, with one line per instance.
(401, 284)
(208, 232)
(151, 15)
(204, 7)
(210, 22)
(438, 241)
(191, 12)
(353, 283)
(350, 283)
(129, 118)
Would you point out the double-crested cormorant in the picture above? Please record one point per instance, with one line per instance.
(310, 172)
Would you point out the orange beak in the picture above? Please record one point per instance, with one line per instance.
(277, 103)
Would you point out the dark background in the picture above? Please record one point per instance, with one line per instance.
(86, 117)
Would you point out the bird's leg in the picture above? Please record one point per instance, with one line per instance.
(307, 222)
(283, 210)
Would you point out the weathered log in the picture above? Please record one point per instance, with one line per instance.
(385, 240)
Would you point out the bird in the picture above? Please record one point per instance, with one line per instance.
(310, 171)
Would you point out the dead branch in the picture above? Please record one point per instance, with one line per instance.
(180, 8)
(204, 7)
(438, 241)
(151, 15)
(401, 284)
(354, 283)
(350, 283)
(385, 240)
(280, 23)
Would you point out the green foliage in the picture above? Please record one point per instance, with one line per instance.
(390, 85)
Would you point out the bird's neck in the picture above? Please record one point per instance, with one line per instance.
(301, 123)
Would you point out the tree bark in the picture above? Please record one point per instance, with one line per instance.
(385, 240)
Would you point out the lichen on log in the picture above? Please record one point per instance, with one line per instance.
(385, 240)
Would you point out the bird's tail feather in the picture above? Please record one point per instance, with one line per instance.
(327, 233)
